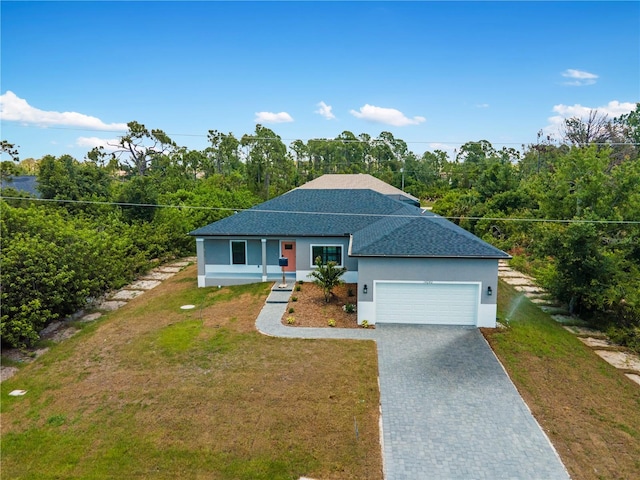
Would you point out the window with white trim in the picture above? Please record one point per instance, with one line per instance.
(327, 253)
(238, 252)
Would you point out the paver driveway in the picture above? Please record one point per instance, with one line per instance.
(449, 410)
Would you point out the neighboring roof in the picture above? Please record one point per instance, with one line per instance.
(303, 212)
(359, 181)
(379, 225)
(24, 183)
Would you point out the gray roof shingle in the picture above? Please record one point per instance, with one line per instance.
(379, 225)
(423, 236)
(309, 213)
(24, 183)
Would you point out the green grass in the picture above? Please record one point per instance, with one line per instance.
(153, 391)
(589, 409)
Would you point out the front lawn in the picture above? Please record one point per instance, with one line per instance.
(589, 409)
(153, 391)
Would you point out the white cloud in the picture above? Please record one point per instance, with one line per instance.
(389, 116)
(325, 111)
(612, 109)
(449, 148)
(441, 146)
(579, 78)
(109, 144)
(270, 117)
(16, 109)
(482, 105)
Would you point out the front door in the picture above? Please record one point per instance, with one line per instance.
(289, 251)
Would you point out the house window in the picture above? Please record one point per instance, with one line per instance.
(239, 252)
(328, 253)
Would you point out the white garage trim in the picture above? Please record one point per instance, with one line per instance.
(436, 303)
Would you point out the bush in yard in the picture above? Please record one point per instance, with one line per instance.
(327, 277)
(627, 336)
(53, 262)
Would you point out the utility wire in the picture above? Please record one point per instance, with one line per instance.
(121, 204)
(235, 210)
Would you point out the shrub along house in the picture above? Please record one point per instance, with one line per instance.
(410, 265)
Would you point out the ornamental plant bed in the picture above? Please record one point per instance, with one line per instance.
(310, 309)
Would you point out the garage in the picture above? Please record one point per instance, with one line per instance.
(434, 303)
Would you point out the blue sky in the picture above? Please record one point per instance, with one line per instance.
(435, 74)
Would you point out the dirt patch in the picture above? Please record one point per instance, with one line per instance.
(7, 372)
(311, 310)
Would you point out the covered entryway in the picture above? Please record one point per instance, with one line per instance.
(433, 303)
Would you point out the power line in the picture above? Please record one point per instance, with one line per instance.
(121, 204)
(382, 215)
(545, 220)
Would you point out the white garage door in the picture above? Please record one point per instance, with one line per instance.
(427, 303)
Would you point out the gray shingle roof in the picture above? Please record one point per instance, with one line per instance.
(24, 183)
(309, 213)
(423, 236)
(379, 225)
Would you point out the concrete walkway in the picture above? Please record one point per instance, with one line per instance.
(449, 411)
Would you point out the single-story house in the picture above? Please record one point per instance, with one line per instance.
(410, 265)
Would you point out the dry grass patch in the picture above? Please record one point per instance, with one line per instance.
(590, 410)
(311, 310)
(153, 391)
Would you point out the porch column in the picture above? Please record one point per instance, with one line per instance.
(264, 259)
(201, 262)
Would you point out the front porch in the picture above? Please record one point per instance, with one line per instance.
(238, 261)
(224, 279)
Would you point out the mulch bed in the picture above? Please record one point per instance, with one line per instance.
(311, 310)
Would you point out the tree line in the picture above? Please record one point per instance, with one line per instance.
(564, 209)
